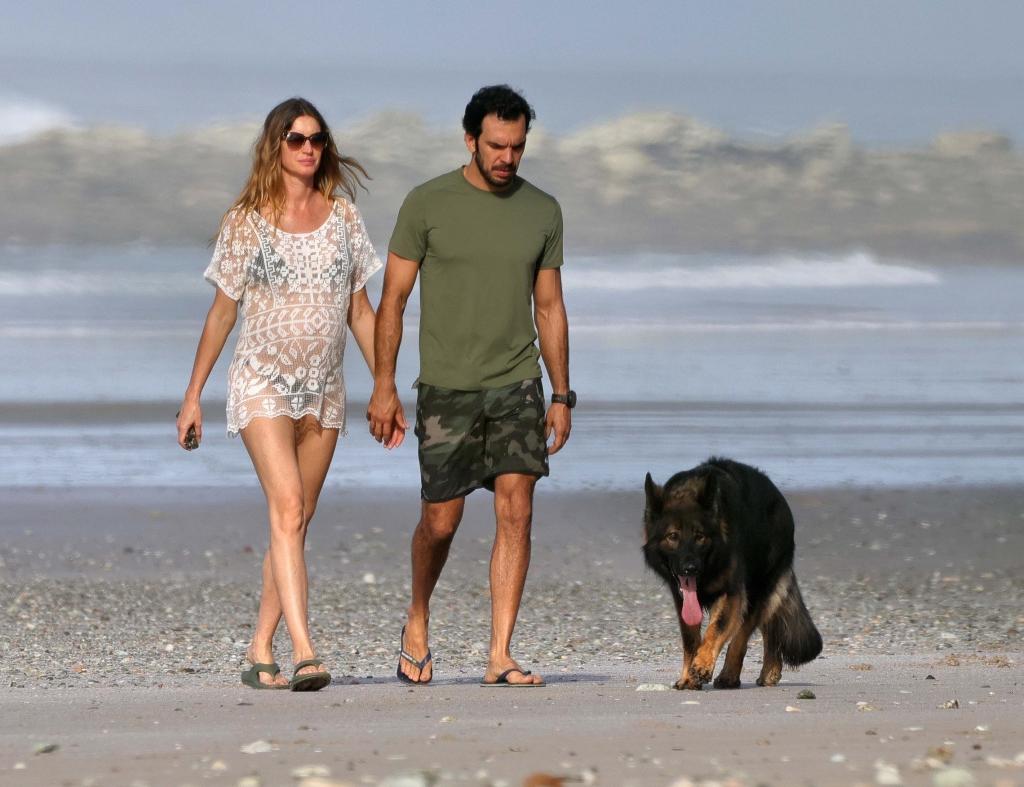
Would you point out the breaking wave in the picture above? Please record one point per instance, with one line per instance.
(858, 269)
(23, 118)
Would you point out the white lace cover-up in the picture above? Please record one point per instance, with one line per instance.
(294, 291)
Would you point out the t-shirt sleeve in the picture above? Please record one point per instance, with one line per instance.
(237, 245)
(361, 253)
(409, 240)
(552, 256)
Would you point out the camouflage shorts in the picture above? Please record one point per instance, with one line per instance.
(469, 437)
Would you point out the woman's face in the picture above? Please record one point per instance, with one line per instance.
(302, 159)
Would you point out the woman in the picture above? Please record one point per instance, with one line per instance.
(296, 256)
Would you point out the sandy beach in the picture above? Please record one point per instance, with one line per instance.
(126, 613)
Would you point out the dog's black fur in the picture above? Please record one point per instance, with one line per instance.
(726, 525)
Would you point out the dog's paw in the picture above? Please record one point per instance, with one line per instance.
(726, 682)
(688, 684)
(770, 679)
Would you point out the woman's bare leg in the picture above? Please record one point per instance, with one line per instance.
(291, 461)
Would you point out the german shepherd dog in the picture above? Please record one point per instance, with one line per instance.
(721, 536)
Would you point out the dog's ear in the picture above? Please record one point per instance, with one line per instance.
(710, 498)
(653, 502)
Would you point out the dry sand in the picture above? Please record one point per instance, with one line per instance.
(125, 614)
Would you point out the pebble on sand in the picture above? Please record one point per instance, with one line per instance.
(953, 777)
(257, 747)
(887, 773)
(310, 772)
(45, 748)
(652, 687)
(409, 779)
(806, 694)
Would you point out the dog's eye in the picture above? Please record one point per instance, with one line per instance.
(672, 536)
(700, 538)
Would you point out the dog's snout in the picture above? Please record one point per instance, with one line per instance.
(689, 568)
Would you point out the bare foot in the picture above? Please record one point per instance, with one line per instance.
(265, 656)
(517, 676)
(414, 642)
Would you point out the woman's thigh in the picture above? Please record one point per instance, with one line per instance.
(271, 443)
(314, 449)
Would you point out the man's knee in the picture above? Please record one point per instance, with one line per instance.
(513, 504)
(441, 520)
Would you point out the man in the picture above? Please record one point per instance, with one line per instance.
(486, 244)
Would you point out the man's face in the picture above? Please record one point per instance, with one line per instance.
(499, 149)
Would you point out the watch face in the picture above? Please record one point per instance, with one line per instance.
(571, 399)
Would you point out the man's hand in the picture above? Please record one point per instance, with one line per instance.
(558, 422)
(386, 416)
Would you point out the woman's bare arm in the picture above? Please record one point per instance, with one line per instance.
(219, 322)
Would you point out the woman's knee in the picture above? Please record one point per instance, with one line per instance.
(288, 515)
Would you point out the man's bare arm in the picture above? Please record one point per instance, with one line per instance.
(553, 332)
(385, 410)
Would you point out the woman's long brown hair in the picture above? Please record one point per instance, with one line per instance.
(265, 187)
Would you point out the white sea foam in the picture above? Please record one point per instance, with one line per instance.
(664, 327)
(857, 269)
(625, 273)
(120, 329)
(53, 281)
(22, 118)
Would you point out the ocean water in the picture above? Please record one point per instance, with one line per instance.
(822, 370)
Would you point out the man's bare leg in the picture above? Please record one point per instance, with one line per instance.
(510, 559)
(430, 544)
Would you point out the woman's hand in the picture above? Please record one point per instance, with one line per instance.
(190, 416)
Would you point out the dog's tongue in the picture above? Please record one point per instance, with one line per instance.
(692, 613)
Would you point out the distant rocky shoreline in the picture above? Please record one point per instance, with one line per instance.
(653, 182)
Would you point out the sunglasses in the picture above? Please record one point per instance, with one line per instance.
(296, 141)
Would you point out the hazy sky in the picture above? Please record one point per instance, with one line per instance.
(859, 36)
(896, 72)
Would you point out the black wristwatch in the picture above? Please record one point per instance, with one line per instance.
(568, 399)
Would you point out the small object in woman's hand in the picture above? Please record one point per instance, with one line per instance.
(191, 443)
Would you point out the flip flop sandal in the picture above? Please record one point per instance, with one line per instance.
(310, 681)
(403, 654)
(251, 676)
(501, 682)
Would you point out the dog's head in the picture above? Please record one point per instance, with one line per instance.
(683, 532)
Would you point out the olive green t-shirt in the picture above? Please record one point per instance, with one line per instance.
(479, 253)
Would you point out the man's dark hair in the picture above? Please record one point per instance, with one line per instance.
(500, 100)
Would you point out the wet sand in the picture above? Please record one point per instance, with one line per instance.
(126, 614)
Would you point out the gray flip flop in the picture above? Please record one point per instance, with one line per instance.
(310, 681)
(251, 676)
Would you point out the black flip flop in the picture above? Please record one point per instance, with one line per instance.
(403, 654)
(501, 682)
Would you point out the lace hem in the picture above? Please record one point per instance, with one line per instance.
(327, 423)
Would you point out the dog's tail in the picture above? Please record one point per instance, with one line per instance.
(787, 627)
